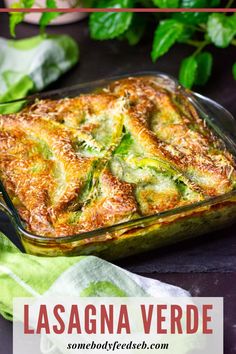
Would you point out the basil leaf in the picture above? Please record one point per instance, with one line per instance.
(187, 33)
(221, 29)
(194, 3)
(188, 70)
(125, 145)
(108, 25)
(204, 67)
(28, 3)
(47, 17)
(165, 36)
(234, 71)
(166, 3)
(17, 17)
(136, 29)
(200, 3)
(191, 18)
(51, 4)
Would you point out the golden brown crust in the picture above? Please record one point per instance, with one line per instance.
(177, 134)
(114, 202)
(75, 165)
(20, 179)
(59, 140)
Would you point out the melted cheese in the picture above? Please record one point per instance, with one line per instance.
(134, 149)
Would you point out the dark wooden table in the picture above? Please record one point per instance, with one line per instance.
(205, 266)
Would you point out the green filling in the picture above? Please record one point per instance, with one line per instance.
(74, 217)
(85, 193)
(125, 145)
(43, 149)
(38, 167)
(158, 186)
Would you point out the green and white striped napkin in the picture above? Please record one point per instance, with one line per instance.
(24, 275)
(29, 65)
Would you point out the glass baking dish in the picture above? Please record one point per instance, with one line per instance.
(148, 232)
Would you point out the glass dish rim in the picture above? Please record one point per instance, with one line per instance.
(193, 97)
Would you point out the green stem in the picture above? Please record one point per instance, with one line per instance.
(201, 47)
(233, 42)
(194, 43)
(230, 3)
(195, 28)
(203, 26)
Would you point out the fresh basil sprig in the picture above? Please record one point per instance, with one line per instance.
(109, 25)
(45, 18)
(221, 29)
(198, 29)
(196, 69)
(188, 70)
(167, 33)
(204, 67)
(166, 3)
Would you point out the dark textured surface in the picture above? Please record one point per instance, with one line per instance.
(213, 253)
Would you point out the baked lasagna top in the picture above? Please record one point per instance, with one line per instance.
(134, 148)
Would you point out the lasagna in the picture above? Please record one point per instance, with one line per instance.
(134, 148)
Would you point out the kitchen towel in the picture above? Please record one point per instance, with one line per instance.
(24, 275)
(29, 65)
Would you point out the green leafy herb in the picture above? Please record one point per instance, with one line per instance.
(165, 36)
(166, 3)
(125, 145)
(26, 3)
(47, 17)
(197, 29)
(221, 29)
(194, 3)
(188, 71)
(18, 17)
(191, 18)
(204, 67)
(109, 25)
(15, 19)
(187, 33)
(136, 29)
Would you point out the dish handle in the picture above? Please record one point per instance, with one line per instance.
(218, 114)
(3, 207)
